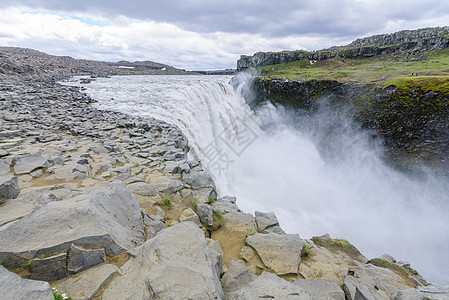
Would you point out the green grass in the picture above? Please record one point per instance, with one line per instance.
(167, 202)
(218, 214)
(194, 203)
(373, 70)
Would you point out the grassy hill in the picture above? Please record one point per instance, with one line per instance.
(383, 70)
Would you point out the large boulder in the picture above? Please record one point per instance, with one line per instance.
(108, 218)
(270, 286)
(280, 253)
(12, 286)
(9, 188)
(175, 264)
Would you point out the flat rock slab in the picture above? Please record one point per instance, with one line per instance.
(143, 189)
(107, 217)
(270, 286)
(29, 163)
(12, 286)
(280, 253)
(88, 283)
(321, 289)
(175, 264)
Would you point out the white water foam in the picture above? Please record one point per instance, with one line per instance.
(319, 174)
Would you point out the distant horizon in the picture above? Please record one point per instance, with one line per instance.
(203, 35)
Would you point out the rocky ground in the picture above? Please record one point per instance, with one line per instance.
(101, 205)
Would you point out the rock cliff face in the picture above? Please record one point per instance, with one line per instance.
(407, 41)
(412, 124)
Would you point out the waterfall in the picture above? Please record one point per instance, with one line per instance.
(319, 173)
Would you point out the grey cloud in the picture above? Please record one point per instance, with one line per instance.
(267, 17)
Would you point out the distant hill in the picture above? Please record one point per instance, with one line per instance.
(28, 62)
(405, 45)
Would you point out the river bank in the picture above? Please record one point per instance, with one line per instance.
(107, 206)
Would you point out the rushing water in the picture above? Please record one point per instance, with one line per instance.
(319, 174)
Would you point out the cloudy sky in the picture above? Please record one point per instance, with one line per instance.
(203, 34)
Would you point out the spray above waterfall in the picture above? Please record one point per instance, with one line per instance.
(320, 173)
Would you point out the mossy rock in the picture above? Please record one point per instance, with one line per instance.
(340, 246)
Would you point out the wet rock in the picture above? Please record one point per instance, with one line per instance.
(164, 269)
(9, 188)
(81, 259)
(12, 286)
(50, 268)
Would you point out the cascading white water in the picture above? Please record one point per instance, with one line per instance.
(319, 174)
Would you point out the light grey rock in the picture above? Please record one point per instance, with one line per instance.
(107, 217)
(81, 259)
(349, 286)
(237, 277)
(5, 168)
(224, 206)
(9, 188)
(12, 286)
(269, 286)
(319, 289)
(435, 292)
(3, 153)
(88, 283)
(198, 180)
(153, 225)
(408, 294)
(364, 293)
(29, 163)
(50, 268)
(388, 258)
(188, 215)
(175, 264)
(143, 189)
(205, 213)
(280, 253)
(267, 222)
